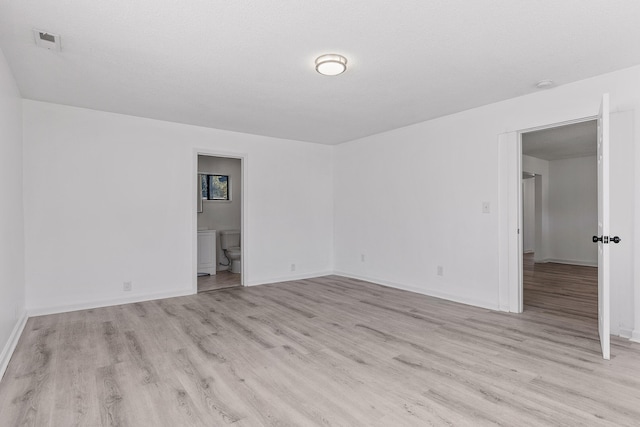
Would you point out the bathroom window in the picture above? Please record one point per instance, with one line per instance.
(217, 187)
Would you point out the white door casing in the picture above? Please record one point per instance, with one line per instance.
(509, 293)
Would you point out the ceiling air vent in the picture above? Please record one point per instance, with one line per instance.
(47, 40)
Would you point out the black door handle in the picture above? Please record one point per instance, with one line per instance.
(606, 239)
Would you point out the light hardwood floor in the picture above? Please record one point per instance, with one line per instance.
(221, 280)
(326, 351)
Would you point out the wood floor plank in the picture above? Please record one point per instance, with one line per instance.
(72, 408)
(216, 399)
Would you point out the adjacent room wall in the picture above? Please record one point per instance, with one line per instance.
(216, 214)
(528, 215)
(12, 286)
(540, 168)
(221, 215)
(573, 210)
(110, 198)
(409, 205)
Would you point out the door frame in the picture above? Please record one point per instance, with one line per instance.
(244, 194)
(511, 292)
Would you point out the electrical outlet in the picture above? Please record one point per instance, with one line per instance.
(293, 267)
(361, 257)
(440, 270)
(127, 286)
(486, 207)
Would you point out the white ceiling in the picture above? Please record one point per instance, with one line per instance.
(562, 142)
(248, 65)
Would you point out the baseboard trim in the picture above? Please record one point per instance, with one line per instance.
(11, 344)
(635, 335)
(87, 305)
(625, 333)
(288, 278)
(427, 292)
(571, 262)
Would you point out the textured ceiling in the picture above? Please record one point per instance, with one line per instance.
(248, 65)
(562, 142)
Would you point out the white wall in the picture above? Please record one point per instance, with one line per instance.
(528, 214)
(573, 210)
(540, 168)
(404, 200)
(12, 287)
(92, 180)
(221, 214)
(566, 212)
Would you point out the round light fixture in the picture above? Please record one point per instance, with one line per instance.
(544, 84)
(331, 64)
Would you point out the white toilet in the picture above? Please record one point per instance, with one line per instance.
(230, 244)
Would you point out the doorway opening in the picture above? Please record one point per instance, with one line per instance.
(219, 219)
(559, 214)
(510, 289)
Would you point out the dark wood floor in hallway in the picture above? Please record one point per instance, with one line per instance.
(570, 290)
(327, 351)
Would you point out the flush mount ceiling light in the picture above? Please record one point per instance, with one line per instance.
(331, 64)
(544, 84)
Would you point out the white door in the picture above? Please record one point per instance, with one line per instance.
(603, 227)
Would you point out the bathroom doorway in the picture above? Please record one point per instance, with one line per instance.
(219, 215)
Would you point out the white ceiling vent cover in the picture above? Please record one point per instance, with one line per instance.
(47, 40)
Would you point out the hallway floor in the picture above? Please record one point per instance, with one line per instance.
(563, 289)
